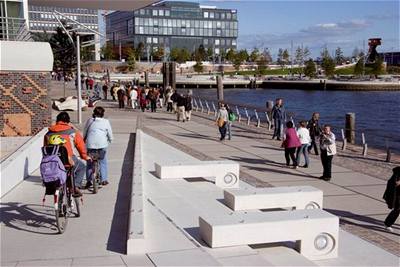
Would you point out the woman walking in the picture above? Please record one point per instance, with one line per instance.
(328, 150)
(392, 198)
(304, 136)
(222, 119)
(291, 143)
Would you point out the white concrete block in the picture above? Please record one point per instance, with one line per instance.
(316, 232)
(226, 173)
(298, 197)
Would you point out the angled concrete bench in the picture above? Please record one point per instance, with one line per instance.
(315, 231)
(298, 197)
(226, 172)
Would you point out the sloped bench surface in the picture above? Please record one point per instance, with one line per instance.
(299, 197)
(304, 226)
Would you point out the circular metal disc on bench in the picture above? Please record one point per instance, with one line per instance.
(312, 205)
(324, 243)
(230, 179)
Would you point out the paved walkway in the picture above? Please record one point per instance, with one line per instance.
(98, 237)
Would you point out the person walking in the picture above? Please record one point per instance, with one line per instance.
(315, 131)
(181, 103)
(328, 150)
(134, 97)
(188, 106)
(152, 96)
(98, 135)
(169, 100)
(392, 198)
(222, 119)
(291, 143)
(231, 119)
(121, 97)
(279, 116)
(305, 139)
(174, 98)
(105, 90)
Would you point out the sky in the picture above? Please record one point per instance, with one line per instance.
(315, 24)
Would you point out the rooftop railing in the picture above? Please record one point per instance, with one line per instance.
(14, 29)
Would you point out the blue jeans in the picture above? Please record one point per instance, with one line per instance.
(229, 129)
(79, 170)
(103, 166)
(278, 129)
(304, 150)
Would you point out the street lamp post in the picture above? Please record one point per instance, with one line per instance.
(78, 56)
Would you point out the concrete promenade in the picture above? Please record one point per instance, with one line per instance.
(28, 234)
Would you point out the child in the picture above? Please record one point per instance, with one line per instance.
(305, 140)
(290, 143)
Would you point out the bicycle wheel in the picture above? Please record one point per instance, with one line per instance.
(61, 212)
(95, 179)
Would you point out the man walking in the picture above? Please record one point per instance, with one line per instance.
(279, 116)
(328, 150)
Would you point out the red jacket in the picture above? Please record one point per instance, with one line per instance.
(291, 140)
(73, 137)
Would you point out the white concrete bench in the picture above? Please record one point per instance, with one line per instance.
(226, 172)
(298, 197)
(315, 231)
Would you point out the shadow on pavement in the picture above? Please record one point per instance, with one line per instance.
(120, 221)
(350, 218)
(31, 218)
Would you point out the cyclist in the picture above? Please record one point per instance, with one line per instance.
(98, 135)
(74, 139)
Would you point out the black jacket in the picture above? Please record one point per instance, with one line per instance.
(181, 101)
(392, 192)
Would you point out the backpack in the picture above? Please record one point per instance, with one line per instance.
(51, 167)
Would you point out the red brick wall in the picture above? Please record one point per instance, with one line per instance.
(25, 107)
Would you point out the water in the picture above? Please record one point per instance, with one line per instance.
(377, 113)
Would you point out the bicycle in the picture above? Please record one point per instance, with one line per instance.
(95, 155)
(64, 205)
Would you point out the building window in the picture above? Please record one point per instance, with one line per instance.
(222, 15)
(205, 41)
(142, 12)
(218, 24)
(211, 15)
(155, 12)
(216, 42)
(205, 14)
(228, 15)
(155, 40)
(167, 13)
(234, 42)
(148, 40)
(141, 30)
(161, 12)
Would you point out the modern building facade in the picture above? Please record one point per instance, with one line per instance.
(13, 19)
(391, 58)
(42, 19)
(174, 25)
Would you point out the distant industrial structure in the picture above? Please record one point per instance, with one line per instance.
(174, 25)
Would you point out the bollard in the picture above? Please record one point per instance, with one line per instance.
(364, 144)
(220, 88)
(351, 127)
(201, 106)
(268, 121)
(166, 74)
(208, 107)
(257, 118)
(238, 114)
(172, 73)
(215, 110)
(388, 152)
(247, 116)
(344, 146)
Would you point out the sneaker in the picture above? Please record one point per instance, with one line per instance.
(305, 166)
(321, 177)
(88, 185)
(326, 178)
(77, 192)
(295, 167)
(104, 183)
(389, 229)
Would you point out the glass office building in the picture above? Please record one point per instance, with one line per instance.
(174, 25)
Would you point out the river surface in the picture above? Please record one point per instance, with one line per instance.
(377, 113)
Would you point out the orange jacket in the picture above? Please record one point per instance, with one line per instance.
(71, 135)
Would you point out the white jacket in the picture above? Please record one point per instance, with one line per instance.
(98, 133)
(304, 135)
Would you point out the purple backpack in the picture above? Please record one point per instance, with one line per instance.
(51, 167)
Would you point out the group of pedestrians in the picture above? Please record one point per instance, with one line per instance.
(179, 103)
(309, 135)
(225, 118)
(97, 135)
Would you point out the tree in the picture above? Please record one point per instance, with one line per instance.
(306, 53)
(174, 54)
(267, 56)
(237, 62)
(328, 65)
(231, 55)
(325, 53)
(64, 50)
(157, 53)
(339, 58)
(243, 55)
(107, 51)
(209, 53)
(286, 56)
(377, 67)
(254, 55)
(299, 56)
(131, 59)
(310, 69)
(198, 67)
(359, 67)
(280, 60)
(262, 64)
(86, 53)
